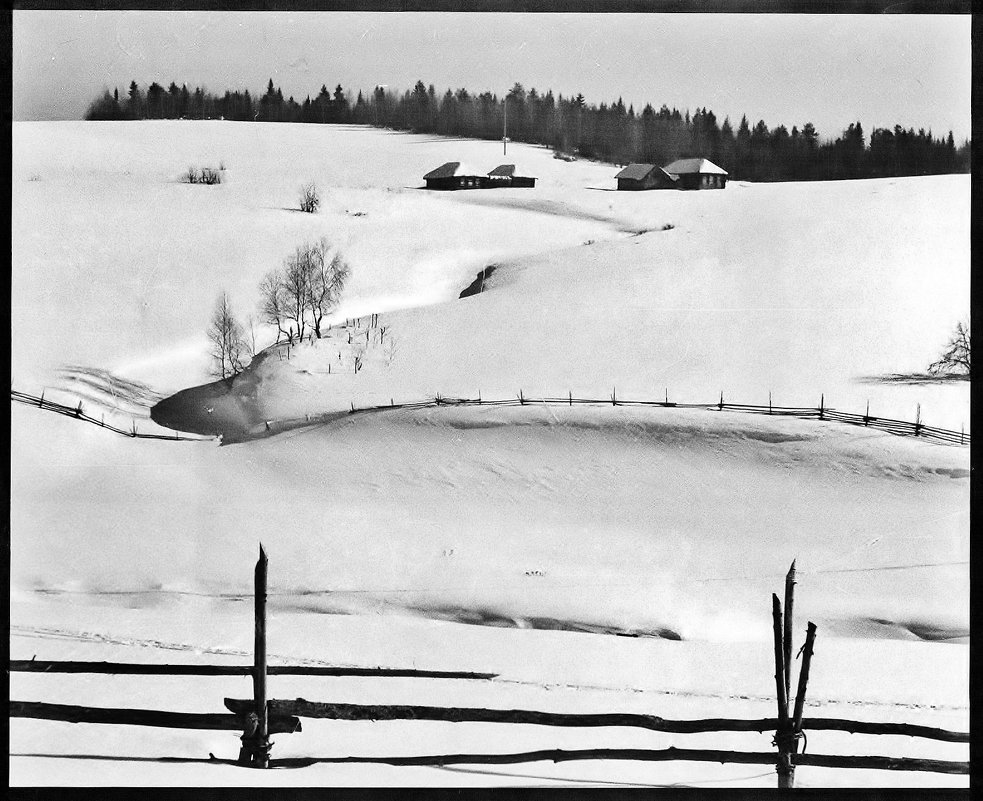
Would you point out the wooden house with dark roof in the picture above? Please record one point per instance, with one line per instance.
(505, 175)
(453, 175)
(697, 174)
(645, 176)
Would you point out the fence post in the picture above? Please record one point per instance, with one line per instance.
(787, 638)
(256, 743)
(962, 433)
(522, 400)
(918, 418)
(720, 405)
(822, 405)
(667, 396)
(800, 695)
(769, 412)
(570, 396)
(783, 738)
(867, 414)
(614, 396)
(41, 399)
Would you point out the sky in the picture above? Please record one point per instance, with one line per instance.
(831, 70)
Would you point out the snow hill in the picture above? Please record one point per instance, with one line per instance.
(551, 527)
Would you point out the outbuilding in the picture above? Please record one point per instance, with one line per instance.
(506, 175)
(453, 175)
(645, 176)
(697, 174)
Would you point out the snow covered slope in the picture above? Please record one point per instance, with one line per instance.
(391, 534)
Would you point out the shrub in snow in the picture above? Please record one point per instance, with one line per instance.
(955, 357)
(191, 176)
(309, 199)
(209, 175)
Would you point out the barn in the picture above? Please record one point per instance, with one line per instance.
(697, 174)
(453, 175)
(507, 175)
(645, 176)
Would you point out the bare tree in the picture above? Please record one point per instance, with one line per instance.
(296, 284)
(326, 280)
(309, 198)
(273, 304)
(228, 343)
(955, 357)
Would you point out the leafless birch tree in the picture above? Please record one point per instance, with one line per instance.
(228, 342)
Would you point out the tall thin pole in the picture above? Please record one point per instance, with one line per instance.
(787, 639)
(783, 737)
(505, 125)
(261, 755)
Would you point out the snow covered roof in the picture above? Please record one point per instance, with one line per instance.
(636, 171)
(508, 171)
(690, 166)
(449, 170)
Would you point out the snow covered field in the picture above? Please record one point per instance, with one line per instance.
(555, 527)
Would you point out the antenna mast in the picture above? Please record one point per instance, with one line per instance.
(505, 126)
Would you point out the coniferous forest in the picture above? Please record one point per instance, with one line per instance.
(571, 126)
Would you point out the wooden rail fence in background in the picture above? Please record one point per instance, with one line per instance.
(820, 412)
(260, 717)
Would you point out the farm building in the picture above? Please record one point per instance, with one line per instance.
(505, 175)
(453, 175)
(697, 174)
(645, 176)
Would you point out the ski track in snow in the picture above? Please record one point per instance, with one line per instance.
(48, 633)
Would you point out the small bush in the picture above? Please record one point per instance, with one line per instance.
(34, 178)
(191, 176)
(209, 175)
(309, 199)
(668, 227)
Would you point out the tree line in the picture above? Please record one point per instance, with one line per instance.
(607, 132)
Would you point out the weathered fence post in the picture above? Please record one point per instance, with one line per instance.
(614, 396)
(800, 695)
(720, 405)
(787, 638)
(256, 739)
(570, 396)
(522, 400)
(783, 736)
(769, 401)
(918, 417)
(867, 414)
(822, 405)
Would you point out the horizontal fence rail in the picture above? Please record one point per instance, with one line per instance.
(332, 711)
(642, 755)
(137, 669)
(77, 413)
(279, 724)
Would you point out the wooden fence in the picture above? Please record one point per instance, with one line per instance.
(820, 412)
(260, 717)
(76, 413)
